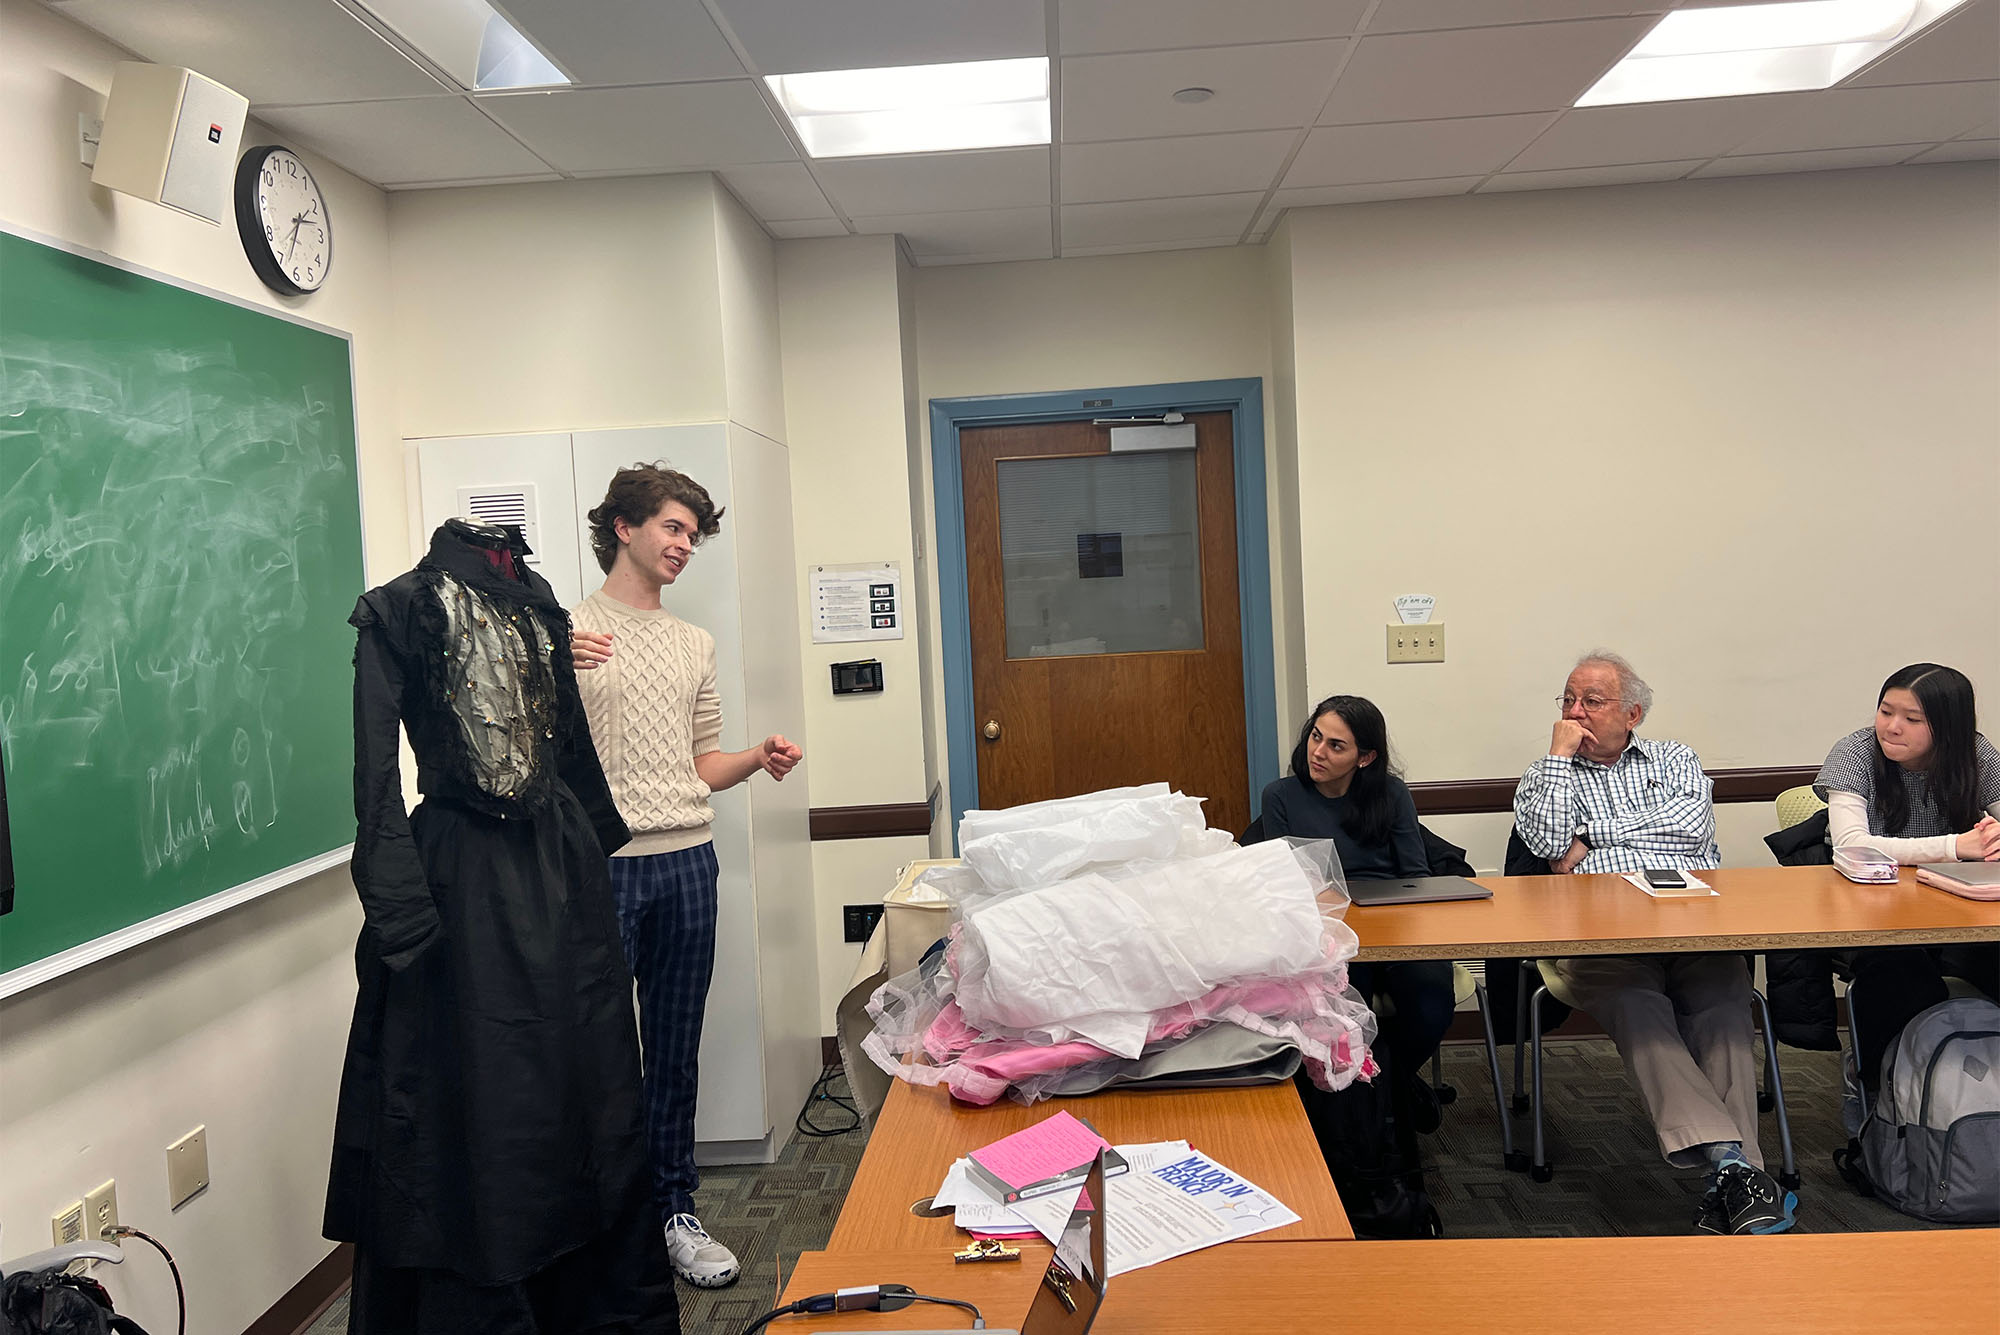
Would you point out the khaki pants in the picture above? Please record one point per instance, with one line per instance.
(1682, 1024)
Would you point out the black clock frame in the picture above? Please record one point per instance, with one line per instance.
(250, 223)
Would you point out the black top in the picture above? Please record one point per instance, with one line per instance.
(1295, 807)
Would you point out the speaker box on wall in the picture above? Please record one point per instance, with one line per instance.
(170, 136)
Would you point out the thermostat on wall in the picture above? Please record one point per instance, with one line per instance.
(862, 678)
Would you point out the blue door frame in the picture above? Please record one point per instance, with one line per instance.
(1242, 398)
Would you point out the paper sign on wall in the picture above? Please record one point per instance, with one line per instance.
(1414, 609)
(858, 601)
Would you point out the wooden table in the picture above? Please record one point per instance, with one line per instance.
(1925, 1283)
(1259, 1132)
(1759, 908)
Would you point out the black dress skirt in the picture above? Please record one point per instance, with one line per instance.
(489, 1156)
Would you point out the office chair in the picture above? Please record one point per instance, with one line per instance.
(1546, 983)
(1797, 804)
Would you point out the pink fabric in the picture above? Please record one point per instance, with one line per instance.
(979, 1069)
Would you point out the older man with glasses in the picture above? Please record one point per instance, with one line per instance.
(1605, 799)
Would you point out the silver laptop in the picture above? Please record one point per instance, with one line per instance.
(1415, 890)
(1972, 873)
(1072, 1288)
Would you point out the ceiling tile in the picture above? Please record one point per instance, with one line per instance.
(1629, 174)
(1861, 117)
(1318, 196)
(938, 182)
(419, 139)
(1832, 159)
(627, 41)
(1411, 150)
(779, 192)
(807, 227)
(672, 127)
(1962, 150)
(1425, 15)
(274, 52)
(1211, 164)
(1136, 247)
(1263, 87)
(1157, 220)
(1652, 131)
(1964, 45)
(1156, 25)
(979, 234)
(785, 36)
(1478, 71)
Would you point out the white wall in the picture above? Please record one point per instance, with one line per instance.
(559, 306)
(747, 292)
(238, 1022)
(1743, 431)
(847, 401)
(1098, 322)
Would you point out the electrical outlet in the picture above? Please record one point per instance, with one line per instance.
(1417, 644)
(66, 1224)
(187, 1167)
(100, 1210)
(857, 921)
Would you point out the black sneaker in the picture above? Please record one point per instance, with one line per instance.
(1418, 1102)
(1711, 1218)
(1752, 1200)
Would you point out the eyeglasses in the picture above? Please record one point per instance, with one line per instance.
(1592, 704)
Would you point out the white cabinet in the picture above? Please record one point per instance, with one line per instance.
(760, 1043)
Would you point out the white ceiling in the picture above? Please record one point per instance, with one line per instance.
(1316, 102)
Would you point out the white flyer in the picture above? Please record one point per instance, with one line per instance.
(855, 602)
(1180, 1203)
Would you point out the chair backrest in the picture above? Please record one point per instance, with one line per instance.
(1797, 804)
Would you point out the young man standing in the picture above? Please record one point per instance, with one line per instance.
(648, 684)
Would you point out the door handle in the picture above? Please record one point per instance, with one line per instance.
(992, 730)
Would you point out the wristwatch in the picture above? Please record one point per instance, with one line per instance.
(1582, 834)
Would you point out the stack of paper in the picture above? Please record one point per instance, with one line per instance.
(1173, 1201)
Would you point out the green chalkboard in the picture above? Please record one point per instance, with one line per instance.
(180, 545)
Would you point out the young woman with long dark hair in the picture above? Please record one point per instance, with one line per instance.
(1343, 787)
(1922, 785)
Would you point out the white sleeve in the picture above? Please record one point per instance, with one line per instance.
(1847, 822)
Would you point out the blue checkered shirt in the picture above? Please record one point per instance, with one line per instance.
(1654, 807)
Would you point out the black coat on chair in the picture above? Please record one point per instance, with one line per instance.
(1800, 982)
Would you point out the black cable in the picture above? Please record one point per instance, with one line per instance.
(180, 1293)
(869, 1298)
(978, 1321)
(822, 1092)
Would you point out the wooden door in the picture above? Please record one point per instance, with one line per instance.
(1106, 637)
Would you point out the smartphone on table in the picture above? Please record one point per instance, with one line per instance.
(1661, 878)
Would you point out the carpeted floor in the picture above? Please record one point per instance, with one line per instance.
(1608, 1175)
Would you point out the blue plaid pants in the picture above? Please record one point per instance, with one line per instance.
(666, 916)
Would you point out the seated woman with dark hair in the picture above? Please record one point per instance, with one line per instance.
(1921, 785)
(1343, 787)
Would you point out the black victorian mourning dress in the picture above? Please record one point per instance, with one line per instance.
(489, 1158)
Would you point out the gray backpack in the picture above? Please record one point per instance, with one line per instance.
(1931, 1144)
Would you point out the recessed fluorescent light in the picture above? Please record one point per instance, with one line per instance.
(470, 41)
(1737, 49)
(918, 108)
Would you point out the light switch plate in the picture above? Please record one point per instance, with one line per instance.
(187, 1167)
(1416, 644)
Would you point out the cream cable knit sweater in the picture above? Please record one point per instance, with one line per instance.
(653, 708)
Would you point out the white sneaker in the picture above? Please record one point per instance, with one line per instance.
(698, 1258)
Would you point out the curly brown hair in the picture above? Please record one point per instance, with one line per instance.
(636, 494)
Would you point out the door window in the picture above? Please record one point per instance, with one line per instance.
(1100, 554)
